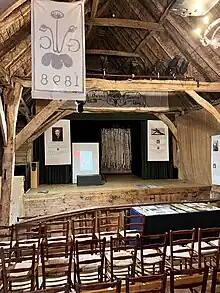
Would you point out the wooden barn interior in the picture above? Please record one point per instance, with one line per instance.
(150, 225)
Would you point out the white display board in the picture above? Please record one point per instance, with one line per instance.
(85, 159)
(157, 141)
(215, 159)
(57, 144)
(58, 50)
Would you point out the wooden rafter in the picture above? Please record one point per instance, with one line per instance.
(127, 110)
(128, 23)
(111, 53)
(169, 123)
(95, 4)
(47, 124)
(206, 105)
(142, 85)
(36, 122)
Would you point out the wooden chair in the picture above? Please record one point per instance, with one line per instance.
(89, 261)
(83, 229)
(20, 271)
(114, 287)
(28, 234)
(208, 247)
(7, 238)
(56, 259)
(133, 225)
(57, 231)
(147, 284)
(215, 279)
(108, 227)
(62, 289)
(152, 254)
(180, 251)
(120, 261)
(189, 279)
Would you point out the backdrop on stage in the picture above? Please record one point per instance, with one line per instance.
(158, 141)
(58, 50)
(57, 144)
(215, 159)
(85, 159)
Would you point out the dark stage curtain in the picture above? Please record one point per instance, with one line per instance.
(60, 174)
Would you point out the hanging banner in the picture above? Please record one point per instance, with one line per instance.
(158, 141)
(58, 50)
(215, 159)
(57, 144)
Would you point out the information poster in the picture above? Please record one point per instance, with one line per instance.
(158, 141)
(215, 159)
(58, 144)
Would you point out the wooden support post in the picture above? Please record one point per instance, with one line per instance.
(169, 123)
(3, 124)
(206, 105)
(12, 100)
(36, 122)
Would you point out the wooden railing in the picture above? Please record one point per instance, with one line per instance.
(93, 212)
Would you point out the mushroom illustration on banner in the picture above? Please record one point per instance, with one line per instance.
(50, 41)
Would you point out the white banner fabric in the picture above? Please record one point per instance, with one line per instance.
(158, 141)
(58, 50)
(215, 159)
(57, 144)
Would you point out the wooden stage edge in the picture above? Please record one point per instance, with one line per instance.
(118, 190)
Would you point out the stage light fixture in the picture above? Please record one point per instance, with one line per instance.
(79, 106)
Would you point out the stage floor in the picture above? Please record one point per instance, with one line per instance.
(118, 190)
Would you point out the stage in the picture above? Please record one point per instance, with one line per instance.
(118, 190)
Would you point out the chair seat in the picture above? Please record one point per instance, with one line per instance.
(28, 242)
(57, 260)
(7, 244)
(120, 262)
(204, 245)
(176, 254)
(21, 265)
(89, 267)
(129, 233)
(148, 259)
(106, 235)
(61, 239)
(83, 237)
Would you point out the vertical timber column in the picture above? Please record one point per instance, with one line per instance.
(12, 100)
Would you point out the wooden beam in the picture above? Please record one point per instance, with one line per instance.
(143, 85)
(206, 105)
(125, 109)
(95, 4)
(12, 98)
(111, 53)
(169, 123)
(3, 124)
(49, 123)
(128, 23)
(36, 122)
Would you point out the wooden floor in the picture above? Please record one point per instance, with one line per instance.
(118, 190)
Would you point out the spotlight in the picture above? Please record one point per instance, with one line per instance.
(206, 20)
(198, 31)
(79, 106)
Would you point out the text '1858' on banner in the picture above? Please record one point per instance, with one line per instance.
(58, 50)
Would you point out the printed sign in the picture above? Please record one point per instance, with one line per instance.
(158, 141)
(58, 50)
(57, 144)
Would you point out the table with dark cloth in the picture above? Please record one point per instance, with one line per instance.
(163, 218)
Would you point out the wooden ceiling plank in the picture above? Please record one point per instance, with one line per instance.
(128, 23)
